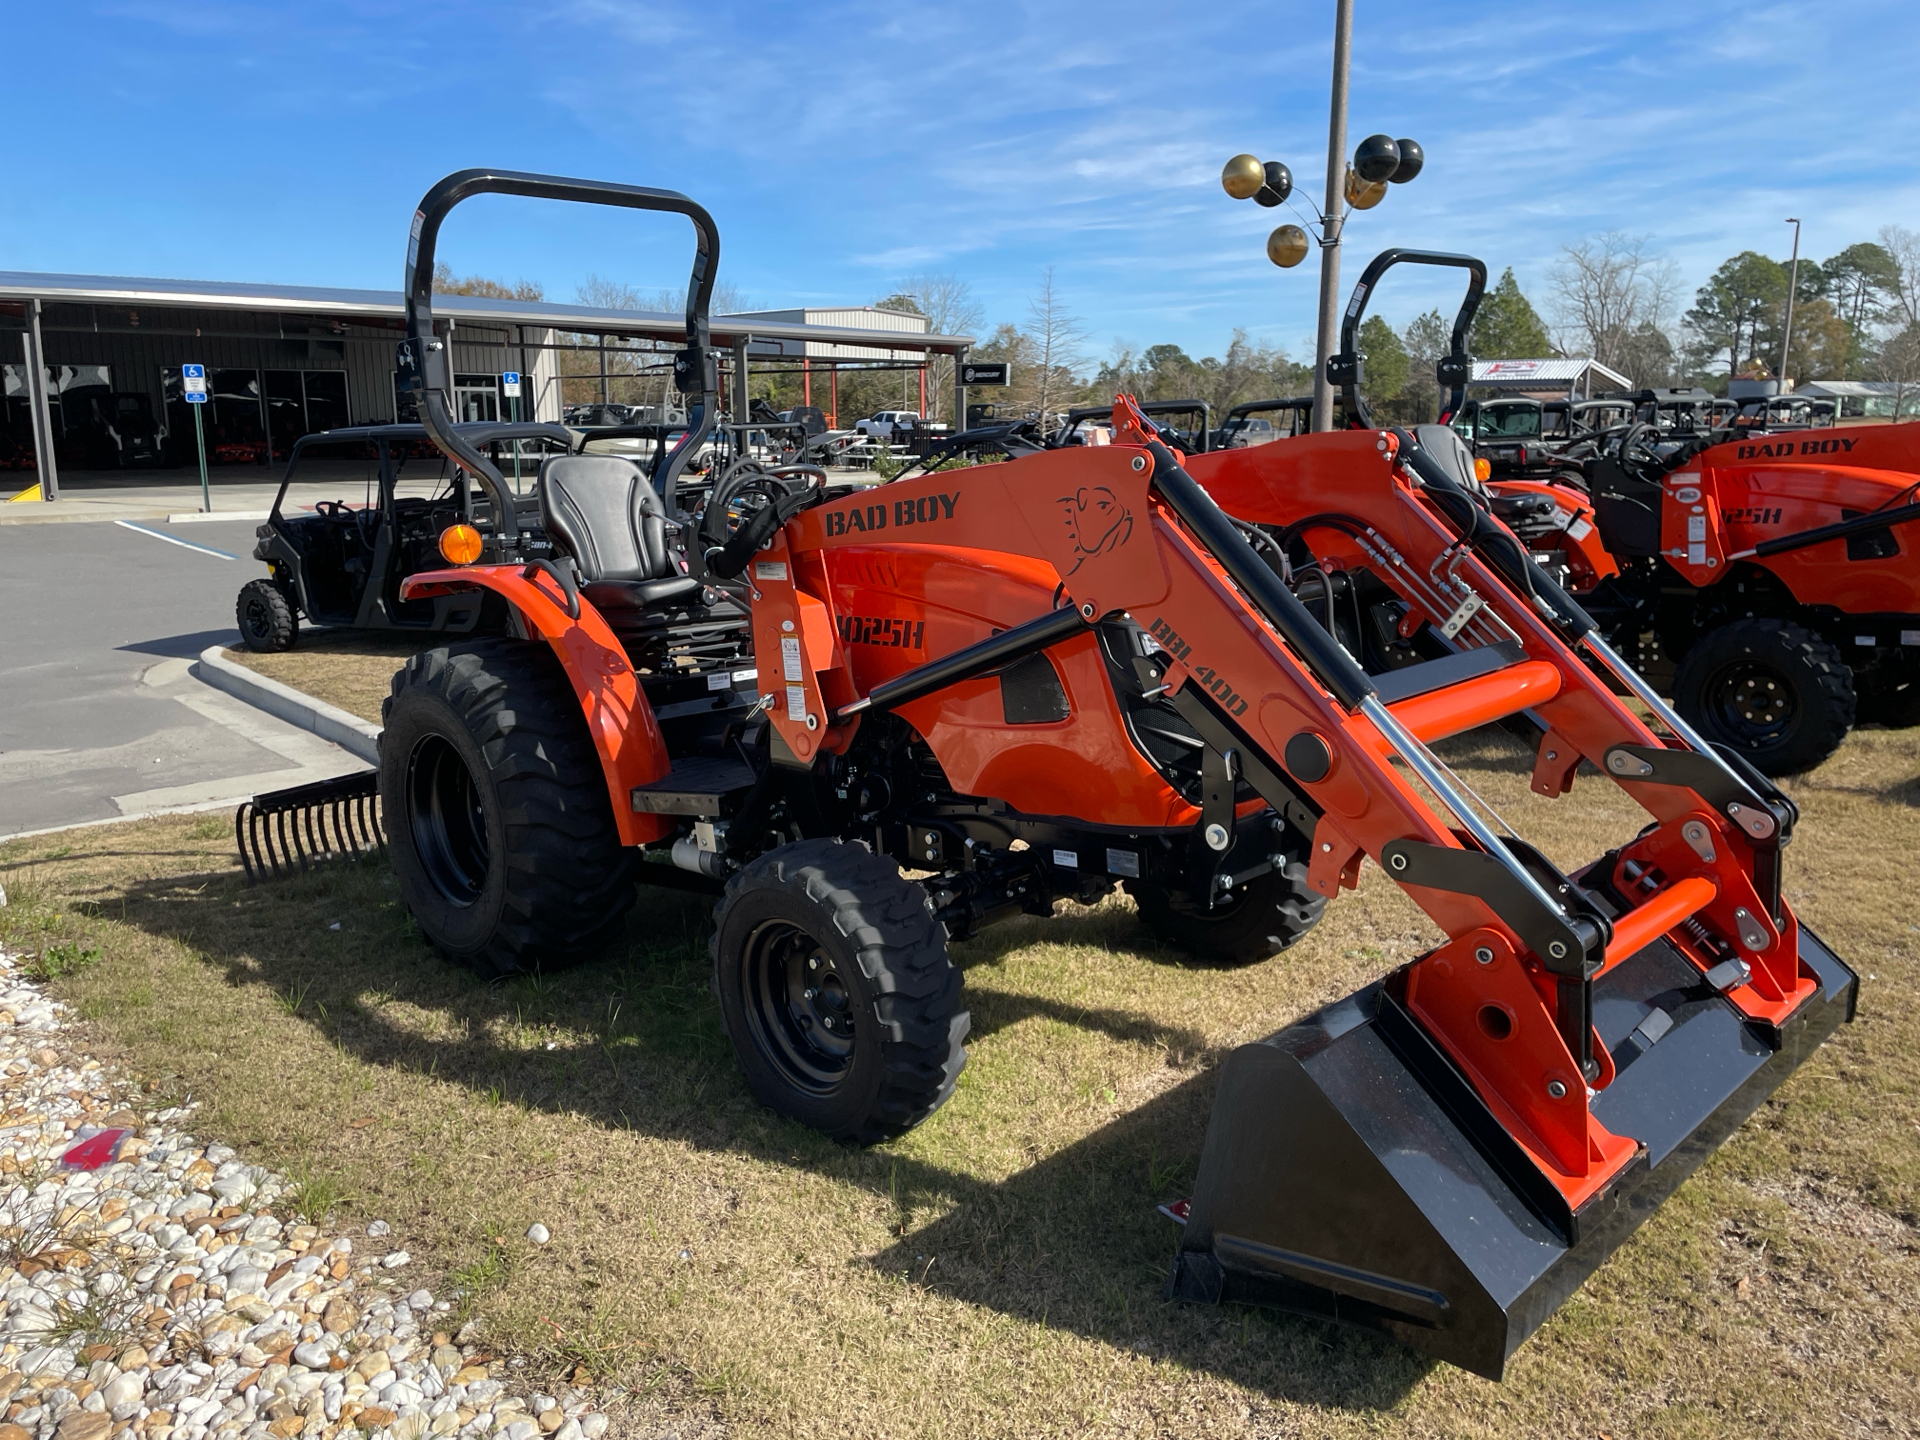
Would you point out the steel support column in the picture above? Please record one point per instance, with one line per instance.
(959, 391)
(39, 405)
(742, 399)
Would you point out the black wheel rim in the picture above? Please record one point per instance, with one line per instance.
(447, 820)
(1751, 703)
(800, 1007)
(258, 619)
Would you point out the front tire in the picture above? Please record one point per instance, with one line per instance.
(837, 992)
(496, 810)
(267, 622)
(1775, 691)
(1251, 924)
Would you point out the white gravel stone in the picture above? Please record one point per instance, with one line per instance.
(231, 1287)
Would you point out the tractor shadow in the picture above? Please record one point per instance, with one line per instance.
(1071, 1242)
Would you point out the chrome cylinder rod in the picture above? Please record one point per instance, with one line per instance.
(1435, 777)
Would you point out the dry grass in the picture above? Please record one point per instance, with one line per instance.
(999, 1271)
(347, 668)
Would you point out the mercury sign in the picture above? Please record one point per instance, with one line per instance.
(1000, 373)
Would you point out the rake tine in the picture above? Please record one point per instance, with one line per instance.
(240, 838)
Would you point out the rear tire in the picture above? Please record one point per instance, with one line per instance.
(837, 992)
(1775, 691)
(497, 816)
(267, 622)
(1255, 922)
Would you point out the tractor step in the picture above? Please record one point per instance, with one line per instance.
(697, 785)
(1439, 1230)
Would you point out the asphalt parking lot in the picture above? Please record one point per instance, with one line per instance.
(100, 715)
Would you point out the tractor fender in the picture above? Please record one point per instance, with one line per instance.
(625, 732)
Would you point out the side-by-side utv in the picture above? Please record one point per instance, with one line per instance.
(341, 565)
(965, 695)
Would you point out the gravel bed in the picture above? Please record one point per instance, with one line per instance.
(160, 1297)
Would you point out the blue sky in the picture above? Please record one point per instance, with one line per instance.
(844, 144)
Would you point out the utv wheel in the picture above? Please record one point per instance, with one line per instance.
(1257, 921)
(836, 990)
(1774, 691)
(267, 622)
(496, 810)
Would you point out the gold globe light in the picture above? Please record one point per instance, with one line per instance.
(1287, 246)
(1242, 177)
(1364, 194)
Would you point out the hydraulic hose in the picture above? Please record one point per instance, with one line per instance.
(1325, 656)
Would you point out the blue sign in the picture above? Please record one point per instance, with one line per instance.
(510, 383)
(193, 384)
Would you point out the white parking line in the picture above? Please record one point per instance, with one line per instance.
(176, 540)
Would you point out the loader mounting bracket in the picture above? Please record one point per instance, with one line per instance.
(1759, 816)
(1572, 944)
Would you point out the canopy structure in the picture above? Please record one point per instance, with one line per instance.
(94, 381)
(1577, 377)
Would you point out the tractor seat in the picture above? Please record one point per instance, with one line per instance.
(1444, 444)
(602, 511)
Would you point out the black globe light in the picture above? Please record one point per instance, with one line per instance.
(1412, 157)
(1279, 184)
(1377, 159)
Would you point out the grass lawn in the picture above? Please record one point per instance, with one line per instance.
(999, 1271)
(347, 668)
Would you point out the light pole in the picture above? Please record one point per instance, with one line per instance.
(1332, 219)
(1793, 284)
(1378, 161)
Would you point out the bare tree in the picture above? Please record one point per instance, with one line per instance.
(1900, 362)
(1904, 246)
(949, 305)
(1054, 336)
(1606, 290)
(604, 294)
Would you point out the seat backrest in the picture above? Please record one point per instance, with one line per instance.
(602, 511)
(1444, 444)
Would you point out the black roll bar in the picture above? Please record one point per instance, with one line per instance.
(424, 363)
(1455, 369)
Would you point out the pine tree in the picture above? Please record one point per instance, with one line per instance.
(1507, 327)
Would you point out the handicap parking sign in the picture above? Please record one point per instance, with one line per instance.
(193, 383)
(510, 384)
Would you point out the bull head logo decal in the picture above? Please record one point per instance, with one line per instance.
(1097, 522)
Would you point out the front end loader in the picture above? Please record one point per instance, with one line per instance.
(1213, 681)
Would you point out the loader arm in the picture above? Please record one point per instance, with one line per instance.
(1128, 530)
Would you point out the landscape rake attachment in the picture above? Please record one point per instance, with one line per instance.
(286, 831)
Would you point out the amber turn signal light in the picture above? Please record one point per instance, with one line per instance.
(1482, 470)
(460, 544)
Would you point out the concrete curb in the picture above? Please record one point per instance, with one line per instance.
(349, 732)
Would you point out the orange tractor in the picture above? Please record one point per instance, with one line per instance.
(874, 720)
(1771, 566)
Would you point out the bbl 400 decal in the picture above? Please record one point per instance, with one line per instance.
(1216, 684)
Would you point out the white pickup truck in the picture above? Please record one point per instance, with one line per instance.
(882, 425)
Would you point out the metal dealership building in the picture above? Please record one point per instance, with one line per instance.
(91, 370)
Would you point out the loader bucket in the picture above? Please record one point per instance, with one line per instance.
(1352, 1173)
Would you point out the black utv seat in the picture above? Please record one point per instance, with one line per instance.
(604, 513)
